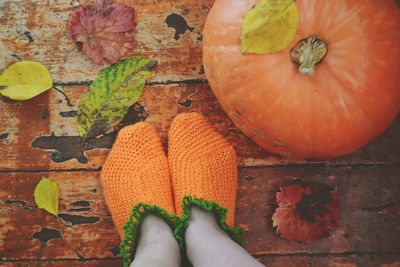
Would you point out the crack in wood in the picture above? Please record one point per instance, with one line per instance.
(17, 57)
(80, 209)
(166, 82)
(379, 208)
(79, 254)
(331, 166)
(62, 260)
(249, 178)
(69, 114)
(326, 254)
(257, 255)
(81, 203)
(16, 202)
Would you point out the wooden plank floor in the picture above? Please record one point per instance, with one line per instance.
(38, 138)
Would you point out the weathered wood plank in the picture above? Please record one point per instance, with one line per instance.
(41, 134)
(370, 204)
(331, 261)
(368, 260)
(37, 30)
(30, 233)
(65, 263)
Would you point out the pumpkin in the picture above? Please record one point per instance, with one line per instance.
(345, 92)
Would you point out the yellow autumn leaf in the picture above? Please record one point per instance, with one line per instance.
(46, 196)
(269, 26)
(25, 80)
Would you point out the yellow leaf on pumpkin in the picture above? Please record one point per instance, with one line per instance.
(269, 26)
(25, 80)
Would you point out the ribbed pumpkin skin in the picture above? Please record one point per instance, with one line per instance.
(352, 98)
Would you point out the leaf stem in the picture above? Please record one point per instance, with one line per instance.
(59, 226)
(69, 52)
(66, 97)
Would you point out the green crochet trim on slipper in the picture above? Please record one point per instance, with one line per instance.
(236, 234)
(131, 228)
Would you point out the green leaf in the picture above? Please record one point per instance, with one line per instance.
(46, 196)
(25, 80)
(111, 94)
(269, 27)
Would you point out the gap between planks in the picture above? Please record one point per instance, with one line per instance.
(260, 254)
(311, 165)
(168, 82)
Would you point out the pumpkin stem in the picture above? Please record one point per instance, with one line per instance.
(308, 53)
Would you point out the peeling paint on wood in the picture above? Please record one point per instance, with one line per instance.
(270, 261)
(93, 234)
(37, 143)
(359, 229)
(78, 219)
(65, 263)
(46, 234)
(344, 260)
(81, 203)
(37, 30)
(179, 23)
(40, 134)
(65, 148)
(90, 233)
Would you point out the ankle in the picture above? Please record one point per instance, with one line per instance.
(202, 221)
(156, 243)
(155, 230)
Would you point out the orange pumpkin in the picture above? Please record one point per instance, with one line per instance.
(352, 96)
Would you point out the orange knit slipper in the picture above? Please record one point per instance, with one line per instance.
(136, 182)
(203, 169)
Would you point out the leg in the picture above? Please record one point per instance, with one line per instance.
(136, 184)
(203, 166)
(157, 246)
(208, 246)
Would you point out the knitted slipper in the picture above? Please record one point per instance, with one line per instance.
(203, 169)
(136, 182)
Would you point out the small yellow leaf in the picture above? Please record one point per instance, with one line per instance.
(269, 26)
(46, 196)
(25, 80)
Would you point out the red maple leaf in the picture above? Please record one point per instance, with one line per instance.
(105, 31)
(306, 212)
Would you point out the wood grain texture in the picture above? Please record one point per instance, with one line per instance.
(369, 207)
(370, 204)
(37, 30)
(30, 233)
(65, 263)
(41, 134)
(38, 138)
(270, 261)
(331, 261)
